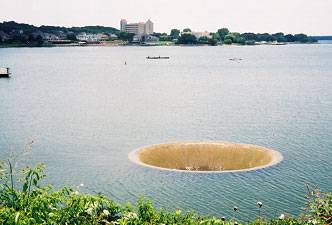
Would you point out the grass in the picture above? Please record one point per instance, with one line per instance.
(206, 156)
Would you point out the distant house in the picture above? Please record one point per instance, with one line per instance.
(19, 34)
(145, 38)
(87, 37)
(38, 33)
(4, 36)
(151, 38)
(45, 36)
(61, 35)
(102, 37)
(113, 36)
(199, 34)
(50, 37)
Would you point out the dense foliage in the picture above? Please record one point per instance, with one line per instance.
(27, 29)
(24, 201)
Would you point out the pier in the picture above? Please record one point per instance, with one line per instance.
(4, 72)
(157, 57)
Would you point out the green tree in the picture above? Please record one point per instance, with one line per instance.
(228, 41)
(31, 38)
(164, 38)
(213, 41)
(124, 36)
(203, 39)
(263, 37)
(280, 37)
(301, 38)
(157, 34)
(187, 39)
(250, 36)
(175, 33)
(222, 33)
(250, 42)
(187, 30)
(39, 40)
(233, 36)
(241, 40)
(71, 36)
(215, 36)
(290, 38)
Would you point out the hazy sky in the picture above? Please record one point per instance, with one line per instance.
(313, 17)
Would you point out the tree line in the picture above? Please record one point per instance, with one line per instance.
(27, 29)
(224, 36)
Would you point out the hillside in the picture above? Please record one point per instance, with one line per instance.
(27, 28)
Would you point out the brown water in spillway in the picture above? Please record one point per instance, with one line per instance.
(211, 156)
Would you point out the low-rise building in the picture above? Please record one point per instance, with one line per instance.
(113, 36)
(102, 37)
(38, 33)
(50, 37)
(18, 33)
(145, 38)
(87, 37)
(45, 36)
(61, 35)
(4, 36)
(199, 34)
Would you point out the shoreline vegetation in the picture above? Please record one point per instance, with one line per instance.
(14, 34)
(23, 200)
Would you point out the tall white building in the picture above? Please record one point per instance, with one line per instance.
(137, 28)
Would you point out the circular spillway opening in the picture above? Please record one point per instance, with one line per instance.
(205, 156)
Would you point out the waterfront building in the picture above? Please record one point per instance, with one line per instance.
(145, 38)
(4, 36)
(87, 37)
(102, 37)
(113, 36)
(137, 28)
(199, 34)
(61, 35)
(18, 34)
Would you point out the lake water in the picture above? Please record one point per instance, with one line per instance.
(87, 111)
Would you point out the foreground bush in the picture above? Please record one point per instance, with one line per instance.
(30, 203)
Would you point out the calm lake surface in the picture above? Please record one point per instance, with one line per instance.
(87, 111)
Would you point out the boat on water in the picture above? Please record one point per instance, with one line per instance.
(4, 72)
(157, 57)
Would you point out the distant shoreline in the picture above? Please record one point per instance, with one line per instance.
(46, 45)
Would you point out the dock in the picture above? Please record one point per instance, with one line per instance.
(4, 72)
(157, 57)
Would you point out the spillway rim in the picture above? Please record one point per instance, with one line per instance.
(277, 157)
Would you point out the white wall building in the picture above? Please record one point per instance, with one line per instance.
(199, 34)
(87, 37)
(137, 28)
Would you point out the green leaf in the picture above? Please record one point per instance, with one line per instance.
(25, 187)
(16, 217)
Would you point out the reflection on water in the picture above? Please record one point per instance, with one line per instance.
(87, 111)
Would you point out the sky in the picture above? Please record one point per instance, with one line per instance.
(313, 17)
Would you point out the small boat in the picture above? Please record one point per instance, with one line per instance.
(235, 59)
(157, 57)
(4, 72)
